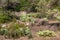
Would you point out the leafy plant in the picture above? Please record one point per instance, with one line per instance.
(26, 18)
(4, 18)
(17, 7)
(15, 30)
(47, 33)
(37, 15)
(58, 18)
(3, 31)
(24, 4)
(53, 13)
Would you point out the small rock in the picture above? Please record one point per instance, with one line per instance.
(27, 23)
(4, 25)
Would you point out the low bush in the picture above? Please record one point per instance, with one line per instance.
(4, 18)
(54, 14)
(24, 5)
(3, 31)
(37, 15)
(42, 15)
(15, 30)
(58, 18)
(47, 33)
(26, 18)
(17, 7)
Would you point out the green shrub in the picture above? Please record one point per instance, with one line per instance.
(42, 6)
(24, 4)
(3, 31)
(37, 15)
(58, 18)
(42, 15)
(4, 18)
(46, 33)
(17, 7)
(15, 30)
(54, 13)
(26, 18)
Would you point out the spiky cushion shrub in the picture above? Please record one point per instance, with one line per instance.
(47, 33)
